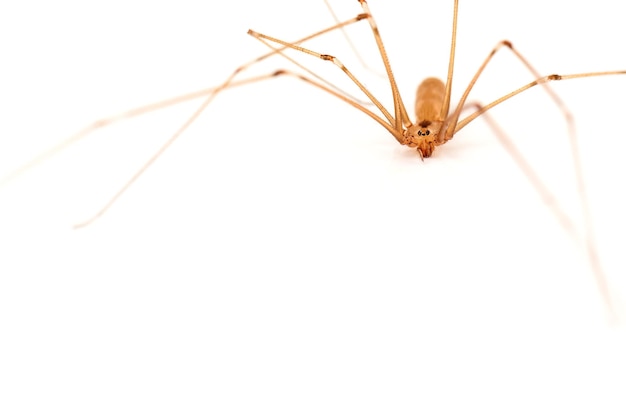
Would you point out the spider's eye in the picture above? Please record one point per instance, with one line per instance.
(419, 132)
(427, 132)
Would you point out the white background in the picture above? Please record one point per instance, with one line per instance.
(286, 256)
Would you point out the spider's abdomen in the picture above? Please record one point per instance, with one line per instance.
(429, 99)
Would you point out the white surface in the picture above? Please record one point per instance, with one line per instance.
(286, 256)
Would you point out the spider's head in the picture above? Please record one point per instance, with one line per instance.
(424, 136)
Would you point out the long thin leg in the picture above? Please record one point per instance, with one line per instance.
(160, 151)
(589, 237)
(293, 45)
(550, 200)
(261, 37)
(199, 111)
(209, 93)
(451, 123)
(98, 124)
(540, 81)
(351, 44)
(401, 116)
(451, 127)
(546, 195)
(445, 108)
